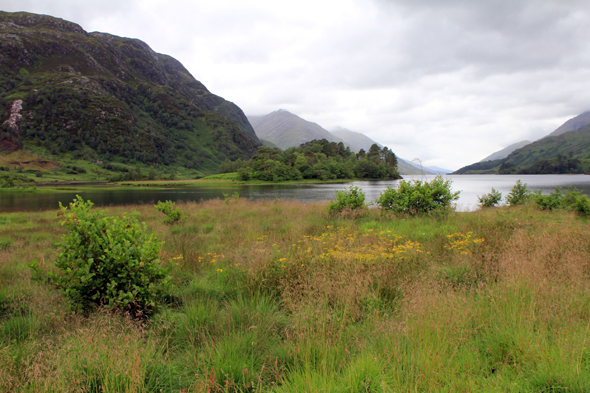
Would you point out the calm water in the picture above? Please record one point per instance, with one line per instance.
(470, 186)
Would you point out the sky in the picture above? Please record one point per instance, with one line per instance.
(445, 81)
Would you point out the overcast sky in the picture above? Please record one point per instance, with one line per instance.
(446, 81)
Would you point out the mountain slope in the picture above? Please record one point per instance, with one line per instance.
(355, 140)
(285, 129)
(565, 150)
(573, 124)
(98, 96)
(565, 153)
(505, 152)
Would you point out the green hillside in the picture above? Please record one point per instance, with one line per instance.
(565, 153)
(99, 98)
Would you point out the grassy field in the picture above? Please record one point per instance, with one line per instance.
(276, 296)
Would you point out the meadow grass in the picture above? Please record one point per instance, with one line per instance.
(279, 296)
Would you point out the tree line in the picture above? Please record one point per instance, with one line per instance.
(317, 159)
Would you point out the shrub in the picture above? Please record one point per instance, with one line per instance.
(173, 215)
(519, 194)
(351, 200)
(417, 197)
(549, 201)
(582, 205)
(490, 200)
(570, 198)
(107, 261)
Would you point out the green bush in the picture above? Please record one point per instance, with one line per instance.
(548, 201)
(490, 200)
(107, 261)
(173, 215)
(582, 205)
(519, 194)
(351, 200)
(418, 197)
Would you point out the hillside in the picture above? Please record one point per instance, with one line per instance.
(354, 139)
(505, 152)
(96, 97)
(573, 124)
(565, 153)
(562, 151)
(285, 129)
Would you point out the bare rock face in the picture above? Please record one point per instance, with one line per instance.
(10, 139)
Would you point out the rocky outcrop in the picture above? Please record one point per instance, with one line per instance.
(10, 139)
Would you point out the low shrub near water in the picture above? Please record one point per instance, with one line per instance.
(491, 199)
(351, 201)
(107, 261)
(519, 195)
(418, 197)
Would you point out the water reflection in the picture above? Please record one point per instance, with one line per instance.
(470, 186)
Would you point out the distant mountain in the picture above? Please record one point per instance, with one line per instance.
(269, 144)
(438, 170)
(573, 124)
(355, 140)
(285, 129)
(406, 167)
(98, 97)
(559, 152)
(505, 152)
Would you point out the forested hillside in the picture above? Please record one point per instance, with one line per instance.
(98, 97)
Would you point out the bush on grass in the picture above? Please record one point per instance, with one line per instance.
(173, 215)
(519, 195)
(548, 201)
(491, 199)
(418, 197)
(350, 202)
(107, 261)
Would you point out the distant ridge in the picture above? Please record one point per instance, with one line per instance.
(285, 129)
(573, 124)
(356, 140)
(565, 150)
(505, 152)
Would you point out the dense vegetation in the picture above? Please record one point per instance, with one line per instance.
(317, 159)
(283, 297)
(101, 98)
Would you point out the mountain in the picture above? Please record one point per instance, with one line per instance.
(285, 129)
(99, 97)
(355, 140)
(406, 167)
(573, 124)
(505, 152)
(559, 152)
(438, 170)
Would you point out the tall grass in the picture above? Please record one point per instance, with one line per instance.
(278, 296)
